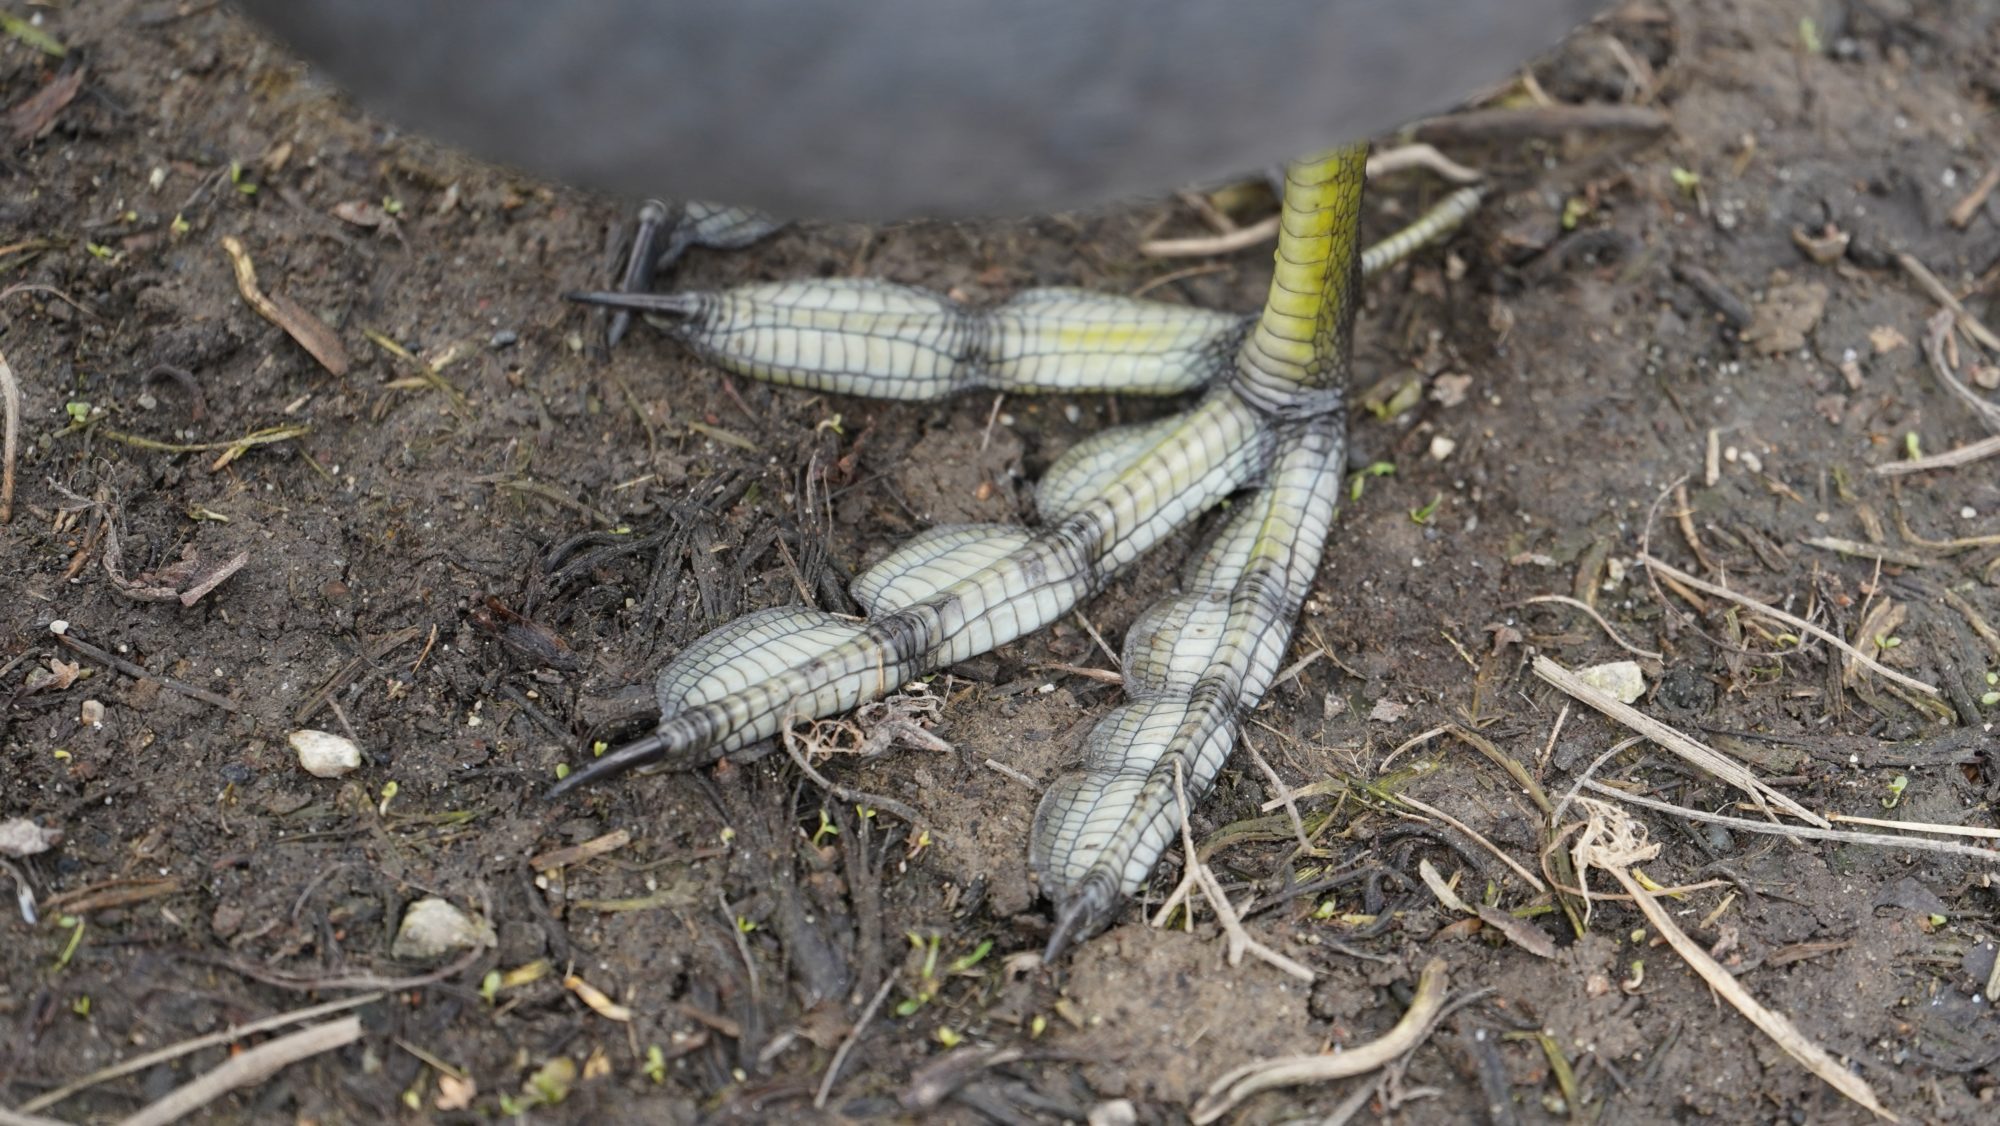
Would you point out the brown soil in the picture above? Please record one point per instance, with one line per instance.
(389, 546)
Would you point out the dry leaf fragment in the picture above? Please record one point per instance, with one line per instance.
(1885, 338)
(1387, 711)
(594, 997)
(61, 674)
(311, 333)
(361, 214)
(454, 1093)
(33, 117)
(1787, 313)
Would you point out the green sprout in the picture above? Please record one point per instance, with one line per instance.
(1897, 785)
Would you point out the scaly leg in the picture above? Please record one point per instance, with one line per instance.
(1274, 419)
(880, 340)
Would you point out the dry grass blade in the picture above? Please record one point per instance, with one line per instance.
(1289, 1071)
(253, 1066)
(1698, 754)
(10, 441)
(1797, 832)
(1668, 570)
(1614, 843)
(312, 333)
(1916, 826)
(176, 1051)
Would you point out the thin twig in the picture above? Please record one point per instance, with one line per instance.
(1579, 604)
(253, 1066)
(1943, 295)
(1281, 793)
(1240, 941)
(1793, 620)
(1863, 550)
(1950, 459)
(195, 1044)
(1228, 241)
(1490, 125)
(1799, 832)
(847, 1045)
(1533, 880)
(1242, 238)
(1184, 273)
(1937, 333)
(1420, 155)
(1915, 826)
(1241, 1083)
(1696, 753)
(840, 792)
(1961, 213)
(1002, 769)
(70, 641)
(303, 983)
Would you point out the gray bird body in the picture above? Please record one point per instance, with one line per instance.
(879, 109)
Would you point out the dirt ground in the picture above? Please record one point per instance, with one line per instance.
(473, 555)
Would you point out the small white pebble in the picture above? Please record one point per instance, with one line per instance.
(1623, 680)
(1441, 447)
(59, 627)
(91, 715)
(1968, 513)
(433, 927)
(324, 754)
(1730, 455)
(1752, 462)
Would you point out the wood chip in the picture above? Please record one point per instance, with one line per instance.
(311, 333)
(578, 853)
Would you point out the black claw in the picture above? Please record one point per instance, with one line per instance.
(650, 749)
(631, 302)
(650, 246)
(1086, 910)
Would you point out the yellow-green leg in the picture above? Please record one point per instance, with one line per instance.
(1272, 422)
